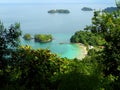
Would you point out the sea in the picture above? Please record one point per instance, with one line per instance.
(35, 19)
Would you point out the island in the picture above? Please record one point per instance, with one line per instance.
(52, 11)
(43, 38)
(27, 37)
(86, 9)
(63, 11)
(110, 9)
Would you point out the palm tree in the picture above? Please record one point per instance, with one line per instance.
(117, 3)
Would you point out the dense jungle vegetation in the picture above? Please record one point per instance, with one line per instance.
(23, 68)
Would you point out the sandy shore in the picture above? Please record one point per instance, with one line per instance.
(83, 50)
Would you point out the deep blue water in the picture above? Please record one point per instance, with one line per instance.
(35, 19)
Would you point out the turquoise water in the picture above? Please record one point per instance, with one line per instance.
(35, 19)
(60, 46)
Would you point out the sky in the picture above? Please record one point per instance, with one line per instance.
(57, 1)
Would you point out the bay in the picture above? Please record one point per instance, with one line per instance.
(34, 19)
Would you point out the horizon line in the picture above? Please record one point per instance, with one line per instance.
(52, 2)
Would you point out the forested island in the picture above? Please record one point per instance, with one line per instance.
(64, 11)
(86, 9)
(43, 38)
(110, 9)
(24, 68)
(27, 36)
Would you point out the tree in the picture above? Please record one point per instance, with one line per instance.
(9, 39)
(112, 50)
(117, 3)
(36, 69)
(108, 26)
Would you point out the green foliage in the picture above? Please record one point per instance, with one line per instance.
(87, 38)
(27, 37)
(43, 37)
(112, 49)
(82, 75)
(108, 26)
(9, 41)
(105, 31)
(92, 52)
(117, 3)
(29, 69)
(36, 69)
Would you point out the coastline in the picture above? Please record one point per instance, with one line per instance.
(83, 51)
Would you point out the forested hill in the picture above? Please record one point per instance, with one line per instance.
(110, 9)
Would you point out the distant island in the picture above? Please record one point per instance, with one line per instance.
(43, 38)
(86, 9)
(110, 9)
(64, 11)
(27, 37)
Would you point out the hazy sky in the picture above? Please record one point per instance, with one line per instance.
(51, 1)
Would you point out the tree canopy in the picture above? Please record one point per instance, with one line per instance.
(87, 38)
(9, 41)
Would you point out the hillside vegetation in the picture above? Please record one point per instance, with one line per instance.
(24, 68)
(87, 38)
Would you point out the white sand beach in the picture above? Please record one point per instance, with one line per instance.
(83, 50)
